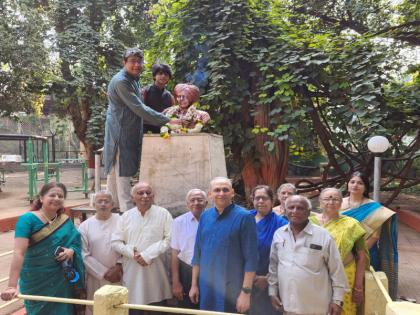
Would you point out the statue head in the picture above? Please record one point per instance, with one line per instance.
(186, 94)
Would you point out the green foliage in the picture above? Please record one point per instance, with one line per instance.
(91, 37)
(301, 62)
(320, 76)
(24, 65)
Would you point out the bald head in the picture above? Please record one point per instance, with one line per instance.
(221, 192)
(102, 193)
(140, 184)
(298, 209)
(305, 202)
(103, 204)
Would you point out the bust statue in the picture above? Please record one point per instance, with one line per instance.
(190, 118)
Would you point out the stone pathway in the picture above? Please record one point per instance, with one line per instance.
(409, 264)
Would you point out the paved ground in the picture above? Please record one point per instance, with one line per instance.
(409, 268)
(6, 244)
(409, 265)
(14, 197)
(13, 202)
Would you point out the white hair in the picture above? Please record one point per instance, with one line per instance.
(193, 191)
(336, 190)
(287, 185)
(138, 184)
(102, 193)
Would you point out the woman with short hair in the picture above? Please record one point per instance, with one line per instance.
(349, 238)
(267, 223)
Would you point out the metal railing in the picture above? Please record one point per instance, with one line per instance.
(125, 306)
(164, 309)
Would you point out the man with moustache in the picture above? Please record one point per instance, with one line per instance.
(225, 253)
(142, 237)
(306, 274)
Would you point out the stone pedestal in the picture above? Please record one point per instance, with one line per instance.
(174, 166)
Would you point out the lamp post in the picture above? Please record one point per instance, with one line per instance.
(377, 145)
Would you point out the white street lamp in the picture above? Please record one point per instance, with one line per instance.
(377, 145)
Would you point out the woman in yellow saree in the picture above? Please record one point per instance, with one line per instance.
(349, 237)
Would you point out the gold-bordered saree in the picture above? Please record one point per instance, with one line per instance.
(41, 274)
(376, 219)
(349, 238)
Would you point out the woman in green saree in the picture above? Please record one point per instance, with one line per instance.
(36, 263)
(349, 237)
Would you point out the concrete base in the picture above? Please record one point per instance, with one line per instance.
(174, 166)
(402, 308)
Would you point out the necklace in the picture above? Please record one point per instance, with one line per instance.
(46, 218)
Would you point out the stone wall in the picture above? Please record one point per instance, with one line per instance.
(175, 165)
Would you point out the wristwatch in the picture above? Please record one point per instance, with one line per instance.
(246, 290)
(338, 302)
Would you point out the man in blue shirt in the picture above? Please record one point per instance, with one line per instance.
(225, 253)
(124, 128)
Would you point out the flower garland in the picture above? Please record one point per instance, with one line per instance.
(190, 117)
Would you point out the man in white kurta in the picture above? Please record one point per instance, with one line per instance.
(101, 262)
(142, 237)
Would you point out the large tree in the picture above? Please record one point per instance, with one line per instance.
(24, 59)
(276, 74)
(90, 37)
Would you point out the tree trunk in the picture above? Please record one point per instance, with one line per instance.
(80, 116)
(262, 166)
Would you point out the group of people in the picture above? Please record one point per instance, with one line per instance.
(223, 258)
(266, 260)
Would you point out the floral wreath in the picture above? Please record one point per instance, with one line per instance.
(189, 116)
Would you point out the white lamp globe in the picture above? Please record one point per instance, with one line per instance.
(378, 144)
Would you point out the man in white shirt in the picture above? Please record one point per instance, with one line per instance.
(184, 231)
(306, 275)
(142, 237)
(101, 262)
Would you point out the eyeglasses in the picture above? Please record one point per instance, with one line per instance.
(143, 193)
(263, 198)
(333, 200)
(217, 190)
(135, 61)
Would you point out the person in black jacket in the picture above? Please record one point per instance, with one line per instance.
(156, 95)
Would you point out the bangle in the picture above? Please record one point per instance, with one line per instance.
(357, 290)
